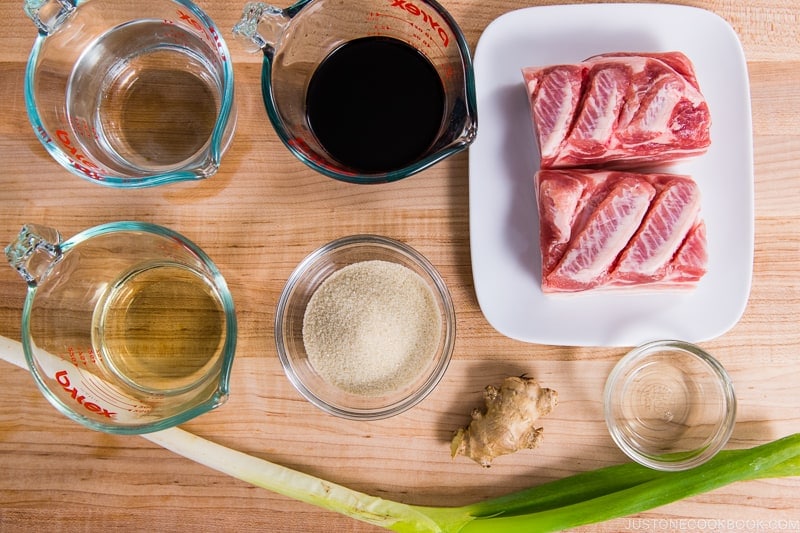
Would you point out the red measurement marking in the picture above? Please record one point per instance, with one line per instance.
(210, 33)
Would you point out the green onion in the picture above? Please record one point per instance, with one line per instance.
(586, 498)
(569, 503)
(581, 499)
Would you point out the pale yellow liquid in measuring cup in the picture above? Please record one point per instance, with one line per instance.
(160, 328)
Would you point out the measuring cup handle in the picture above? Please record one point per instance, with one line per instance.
(35, 251)
(48, 15)
(261, 26)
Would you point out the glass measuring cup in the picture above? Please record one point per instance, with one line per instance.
(127, 327)
(127, 96)
(298, 39)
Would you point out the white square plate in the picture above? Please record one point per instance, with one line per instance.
(504, 226)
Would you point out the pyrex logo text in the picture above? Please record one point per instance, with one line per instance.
(79, 161)
(62, 377)
(418, 12)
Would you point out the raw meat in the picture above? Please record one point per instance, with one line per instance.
(622, 108)
(689, 264)
(670, 218)
(594, 249)
(612, 229)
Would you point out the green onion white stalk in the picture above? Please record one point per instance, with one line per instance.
(595, 496)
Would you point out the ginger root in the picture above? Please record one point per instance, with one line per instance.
(507, 425)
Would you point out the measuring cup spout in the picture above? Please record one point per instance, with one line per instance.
(34, 253)
(208, 168)
(48, 15)
(261, 26)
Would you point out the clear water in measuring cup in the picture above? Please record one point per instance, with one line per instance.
(160, 328)
(145, 97)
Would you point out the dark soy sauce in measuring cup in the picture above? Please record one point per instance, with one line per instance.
(375, 104)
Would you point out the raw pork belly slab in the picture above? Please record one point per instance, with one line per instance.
(627, 108)
(615, 229)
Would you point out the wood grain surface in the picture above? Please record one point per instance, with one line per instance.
(263, 212)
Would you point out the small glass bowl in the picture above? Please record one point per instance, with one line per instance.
(303, 283)
(669, 405)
